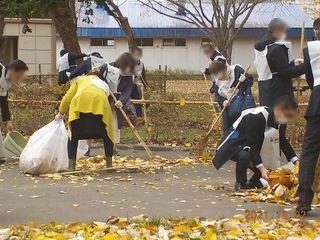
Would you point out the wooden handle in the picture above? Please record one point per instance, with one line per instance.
(142, 142)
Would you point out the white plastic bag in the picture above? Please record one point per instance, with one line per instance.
(83, 147)
(46, 151)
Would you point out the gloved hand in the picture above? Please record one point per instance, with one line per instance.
(242, 78)
(118, 104)
(298, 61)
(59, 117)
(226, 103)
(203, 70)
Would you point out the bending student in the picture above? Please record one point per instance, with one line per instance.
(244, 144)
(90, 115)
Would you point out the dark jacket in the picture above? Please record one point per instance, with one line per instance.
(83, 69)
(5, 112)
(281, 82)
(238, 71)
(250, 132)
(72, 58)
(313, 109)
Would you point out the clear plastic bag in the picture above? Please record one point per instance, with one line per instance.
(46, 151)
(83, 147)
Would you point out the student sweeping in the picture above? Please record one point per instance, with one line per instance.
(66, 64)
(247, 144)
(119, 76)
(140, 81)
(90, 115)
(10, 75)
(213, 54)
(225, 78)
(311, 144)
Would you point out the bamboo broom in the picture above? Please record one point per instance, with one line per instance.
(199, 148)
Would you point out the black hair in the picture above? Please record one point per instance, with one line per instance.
(277, 23)
(286, 102)
(217, 66)
(96, 54)
(18, 65)
(316, 24)
(63, 52)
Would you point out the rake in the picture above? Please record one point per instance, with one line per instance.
(199, 148)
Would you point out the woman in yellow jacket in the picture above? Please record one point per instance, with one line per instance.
(90, 115)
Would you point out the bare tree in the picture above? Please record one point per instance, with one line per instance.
(219, 20)
(113, 10)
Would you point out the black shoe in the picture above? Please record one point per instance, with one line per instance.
(240, 186)
(87, 154)
(72, 165)
(109, 162)
(302, 211)
(255, 184)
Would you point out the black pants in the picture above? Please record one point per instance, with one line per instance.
(88, 126)
(136, 94)
(243, 160)
(308, 161)
(73, 147)
(227, 122)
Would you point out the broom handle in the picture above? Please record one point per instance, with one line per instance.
(301, 55)
(142, 142)
(229, 99)
(208, 87)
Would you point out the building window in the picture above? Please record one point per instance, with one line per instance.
(144, 42)
(102, 42)
(170, 42)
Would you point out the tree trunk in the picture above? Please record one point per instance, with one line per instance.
(124, 24)
(64, 18)
(2, 43)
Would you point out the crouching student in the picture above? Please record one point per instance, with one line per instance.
(10, 75)
(66, 64)
(225, 78)
(245, 144)
(119, 76)
(90, 115)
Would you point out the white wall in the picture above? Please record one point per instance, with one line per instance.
(36, 47)
(189, 58)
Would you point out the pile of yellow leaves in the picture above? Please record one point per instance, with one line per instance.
(282, 193)
(141, 227)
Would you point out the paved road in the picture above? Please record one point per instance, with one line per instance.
(175, 192)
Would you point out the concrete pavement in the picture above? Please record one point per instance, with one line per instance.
(179, 191)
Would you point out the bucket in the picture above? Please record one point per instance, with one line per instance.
(15, 143)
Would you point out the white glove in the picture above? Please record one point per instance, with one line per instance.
(298, 61)
(118, 104)
(242, 78)
(226, 103)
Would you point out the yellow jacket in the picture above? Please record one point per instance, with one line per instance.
(84, 97)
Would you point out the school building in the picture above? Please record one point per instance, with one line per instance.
(166, 41)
